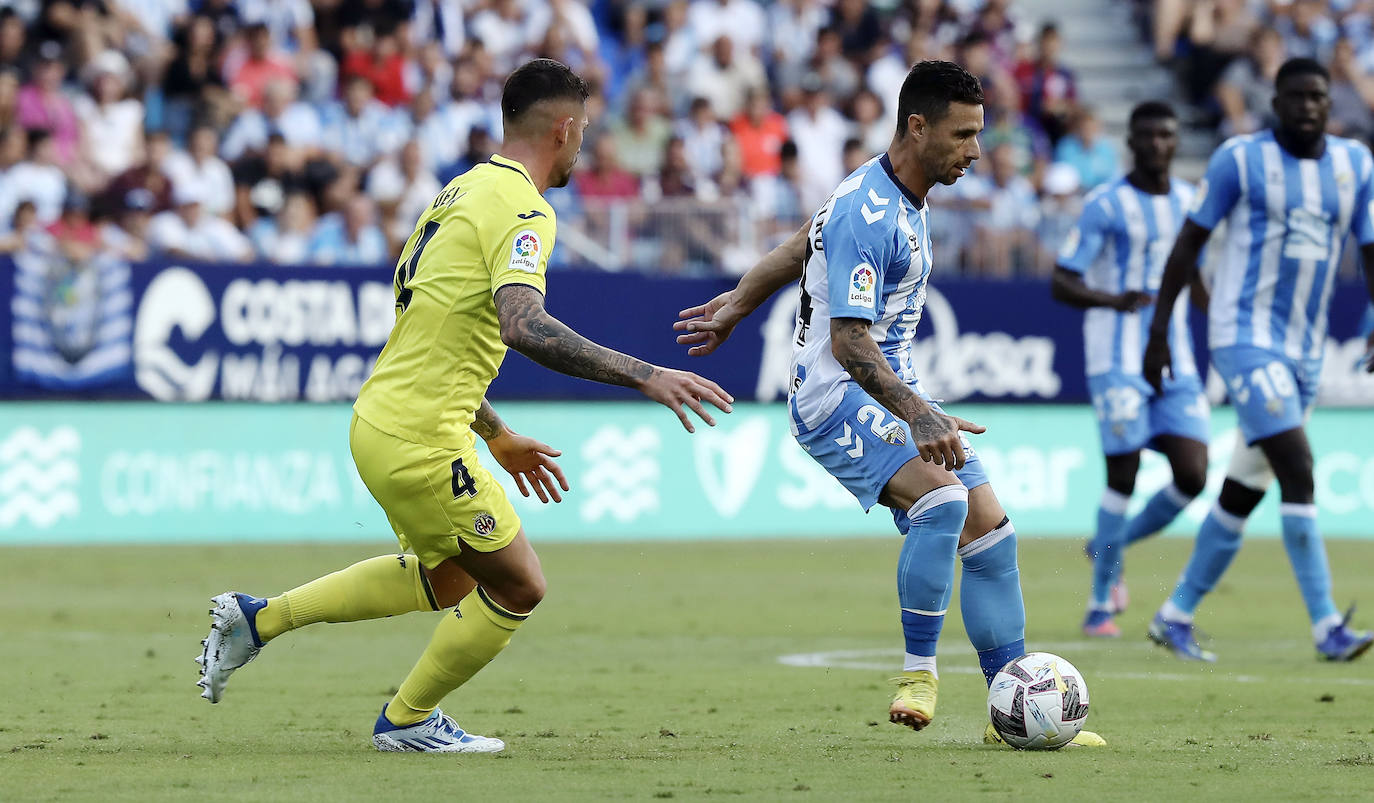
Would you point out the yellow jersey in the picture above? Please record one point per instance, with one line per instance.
(489, 228)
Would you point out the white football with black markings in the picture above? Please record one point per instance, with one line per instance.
(1038, 702)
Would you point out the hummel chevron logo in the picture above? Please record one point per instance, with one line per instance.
(531, 215)
(877, 200)
(844, 441)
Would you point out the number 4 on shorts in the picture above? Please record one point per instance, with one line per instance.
(462, 480)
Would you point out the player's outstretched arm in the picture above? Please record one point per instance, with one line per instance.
(1178, 272)
(708, 325)
(529, 329)
(529, 461)
(1067, 287)
(936, 435)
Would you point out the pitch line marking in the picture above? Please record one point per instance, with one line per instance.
(886, 659)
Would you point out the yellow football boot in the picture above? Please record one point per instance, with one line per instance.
(1083, 739)
(914, 705)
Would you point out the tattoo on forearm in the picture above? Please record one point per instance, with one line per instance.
(864, 361)
(533, 332)
(486, 423)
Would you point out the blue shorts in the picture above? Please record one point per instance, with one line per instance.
(863, 445)
(1271, 392)
(1130, 415)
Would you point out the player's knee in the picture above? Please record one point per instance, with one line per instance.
(1191, 480)
(528, 594)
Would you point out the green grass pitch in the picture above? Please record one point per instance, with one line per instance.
(653, 671)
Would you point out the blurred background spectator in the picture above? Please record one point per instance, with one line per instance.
(314, 131)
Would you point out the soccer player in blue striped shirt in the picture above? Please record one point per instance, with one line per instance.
(1290, 196)
(1111, 265)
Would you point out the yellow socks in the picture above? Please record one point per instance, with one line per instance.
(462, 644)
(377, 587)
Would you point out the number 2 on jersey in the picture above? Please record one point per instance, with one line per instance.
(406, 270)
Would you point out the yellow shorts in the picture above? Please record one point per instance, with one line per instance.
(437, 500)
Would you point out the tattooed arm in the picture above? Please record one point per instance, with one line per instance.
(529, 329)
(487, 423)
(936, 435)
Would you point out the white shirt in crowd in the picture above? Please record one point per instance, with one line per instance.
(211, 180)
(298, 124)
(113, 133)
(44, 185)
(387, 184)
(741, 20)
(820, 146)
(210, 238)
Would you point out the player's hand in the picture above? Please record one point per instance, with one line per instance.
(673, 389)
(937, 438)
(1156, 361)
(1132, 300)
(531, 463)
(708, 325)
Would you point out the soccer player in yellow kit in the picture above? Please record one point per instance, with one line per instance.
(469, 284)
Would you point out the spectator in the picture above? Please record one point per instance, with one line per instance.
(1218, 32)
(382, 63)
(192, 87)
(676, 179)
(640, 141)
(653, 76)
(39, 178)
(1085, 150)
(21, 231)
(249, 73)
(111, 123)
(127, 236)
(9, 98)
(296, 122)
(440, 134)
(1048, 88)
(402, 187)
(501, 29)
(854, 154)
(792, 29)
(871, 124)
(200, 167)
(285, 238)
(262, 182)
(779, 197)
(819, 132)
(1352, 95)
(743, 21)
(1059, 209)
(1307, 31)
(76, 236)
(359, 130)
(680, 43)
(14, 147)
(186, 232)
(1005, 124)
(860, 31)
(702, 138)
(1247, 86)
(439, 21)
(724, 76)
(351, 237)
(146, 175)
(42, 105)
(605, 179)
(15, 52)
(837, 73)
(1004, 235)
(760, 133)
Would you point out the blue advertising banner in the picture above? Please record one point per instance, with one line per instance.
(260, 332)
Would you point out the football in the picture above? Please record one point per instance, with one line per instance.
(1038, 702)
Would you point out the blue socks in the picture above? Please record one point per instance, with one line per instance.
(1108, 545)
(1162, 508)
(990, 599)
(925, 571)
(1307, 554)
(1217, 543)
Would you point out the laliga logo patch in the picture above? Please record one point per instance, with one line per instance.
(524, 254)
(861, 284)
(484, 524)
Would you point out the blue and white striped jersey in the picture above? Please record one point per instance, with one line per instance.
(1287, 221)
(1121, 243)
(868, 257)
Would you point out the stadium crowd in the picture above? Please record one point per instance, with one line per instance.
(314, 131)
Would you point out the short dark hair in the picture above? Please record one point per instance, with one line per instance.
(929, 89)
(540, 79)
(1300, 66)
(1151, 110)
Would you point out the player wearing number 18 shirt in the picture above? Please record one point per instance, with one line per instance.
(470, 283)
(856, 404)
(1290, 197)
